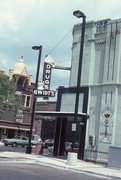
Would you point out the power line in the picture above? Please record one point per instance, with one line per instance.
(60, 41)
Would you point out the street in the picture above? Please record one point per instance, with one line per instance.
(24, 171)
(11, 149)
(19, 149)
(28, 170)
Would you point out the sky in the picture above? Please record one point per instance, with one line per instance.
(25, 23)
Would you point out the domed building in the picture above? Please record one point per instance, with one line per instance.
(10, 125)
(20, 75)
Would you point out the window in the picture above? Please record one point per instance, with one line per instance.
(26, 100)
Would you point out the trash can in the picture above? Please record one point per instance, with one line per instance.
(72, 158)
(39, 148)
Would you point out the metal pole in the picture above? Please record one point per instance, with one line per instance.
(79, 76)
(79, 68)
(29, 148)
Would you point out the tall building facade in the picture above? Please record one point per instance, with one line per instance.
(101, 73)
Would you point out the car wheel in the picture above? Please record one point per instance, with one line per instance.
(14, 144)
(6, 144)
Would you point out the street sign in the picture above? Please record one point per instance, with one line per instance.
(73, 126)
(44, 93)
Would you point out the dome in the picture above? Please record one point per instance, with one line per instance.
(20, 68)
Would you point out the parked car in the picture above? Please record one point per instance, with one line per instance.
(18, 140)
(36, 138)
(50, 149)
(48, 142)
(68, 147)
(76, 147)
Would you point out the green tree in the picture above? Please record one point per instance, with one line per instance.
(9, 101)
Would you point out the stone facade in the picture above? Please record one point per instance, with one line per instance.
(101, 72)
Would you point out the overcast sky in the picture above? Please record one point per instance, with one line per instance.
(24, 23)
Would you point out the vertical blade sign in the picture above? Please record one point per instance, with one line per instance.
(47, 75)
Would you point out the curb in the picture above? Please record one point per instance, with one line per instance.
(42, 162)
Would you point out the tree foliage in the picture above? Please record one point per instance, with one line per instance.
(9, 101)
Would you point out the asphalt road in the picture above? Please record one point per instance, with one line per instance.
(19, 149)
(23, 171)
(29, 171)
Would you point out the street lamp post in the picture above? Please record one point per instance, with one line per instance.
(29, 148)
(79, 14)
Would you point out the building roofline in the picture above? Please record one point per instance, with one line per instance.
(61, 114)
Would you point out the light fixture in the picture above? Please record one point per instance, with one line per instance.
(78, 14)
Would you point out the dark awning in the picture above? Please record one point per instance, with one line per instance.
(60, 114)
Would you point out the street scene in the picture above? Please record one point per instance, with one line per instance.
(21, 149)
(22, 166)
(60, 89)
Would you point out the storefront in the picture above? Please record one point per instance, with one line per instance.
(10, 129)
(66, 128)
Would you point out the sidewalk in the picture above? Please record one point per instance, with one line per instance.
(82, 166)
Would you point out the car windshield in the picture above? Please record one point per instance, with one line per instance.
(20, 137)
(23, 138)
(49, 140)
(67, 144)
(17, 137)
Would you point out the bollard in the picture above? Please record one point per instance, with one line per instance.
(39, 148)
(72, 158)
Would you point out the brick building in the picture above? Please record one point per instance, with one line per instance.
(10, 125)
